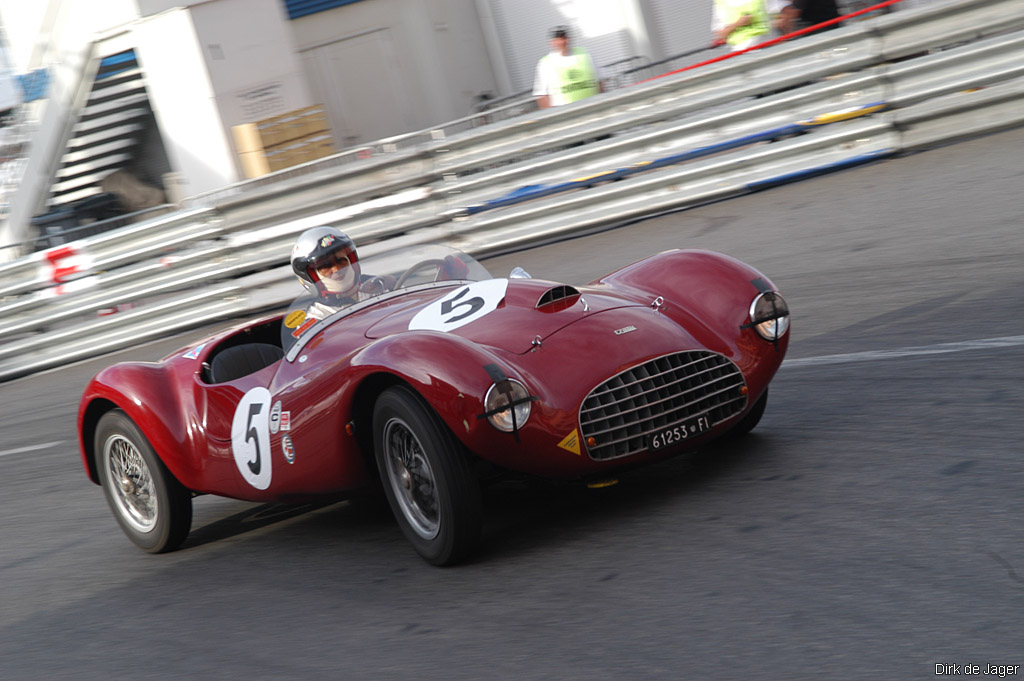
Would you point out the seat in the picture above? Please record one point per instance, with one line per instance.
(242, 360)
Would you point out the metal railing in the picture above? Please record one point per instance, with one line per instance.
(794, 110)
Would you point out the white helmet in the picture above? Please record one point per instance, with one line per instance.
(325, 260)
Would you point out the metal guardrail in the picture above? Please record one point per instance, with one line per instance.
(819, 104)
(110, 250)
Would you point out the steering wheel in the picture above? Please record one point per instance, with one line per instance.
(432, 262)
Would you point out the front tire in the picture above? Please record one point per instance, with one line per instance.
(427, 478)
(149, 503)
(752, 417)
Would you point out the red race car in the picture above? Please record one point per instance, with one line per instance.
(419, 384)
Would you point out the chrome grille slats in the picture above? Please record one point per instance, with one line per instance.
(585, 411)
(657, 394)
(729, 391)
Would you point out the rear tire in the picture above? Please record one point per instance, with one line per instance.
(149, 503)
(427, 478)
(753, 417)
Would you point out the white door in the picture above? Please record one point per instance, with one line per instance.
(359, 82)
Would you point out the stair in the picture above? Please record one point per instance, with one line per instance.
(108, 131)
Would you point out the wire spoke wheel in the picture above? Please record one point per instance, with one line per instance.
(149, 503)
(411, 478)
(132, 483)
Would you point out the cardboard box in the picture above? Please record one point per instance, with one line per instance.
(258, 160)
(247, 138)
(280, 158)
(313, 121)
(313, 147)
(254, 164)
(280, 130)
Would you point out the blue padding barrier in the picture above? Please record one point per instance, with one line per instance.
(533, 191)
(821, 170)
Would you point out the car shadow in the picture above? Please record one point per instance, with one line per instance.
(364, 509)
(521, 517)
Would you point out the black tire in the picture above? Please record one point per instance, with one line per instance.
(753, 417)
(426, 477)
(149, 503)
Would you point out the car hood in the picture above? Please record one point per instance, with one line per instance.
(520, 311)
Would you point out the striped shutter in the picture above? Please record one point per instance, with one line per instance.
(301, 8)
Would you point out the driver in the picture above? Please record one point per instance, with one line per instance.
(327, 264)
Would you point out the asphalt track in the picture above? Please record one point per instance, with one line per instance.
(870, 527)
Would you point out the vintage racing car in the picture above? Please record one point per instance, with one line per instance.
(423, 386)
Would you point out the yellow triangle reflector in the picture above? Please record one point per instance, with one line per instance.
(571, 443)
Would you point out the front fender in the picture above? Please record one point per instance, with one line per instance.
(448, 371)
(709, 294)
(710, 285)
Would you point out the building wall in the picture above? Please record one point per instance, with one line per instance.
(184, 101)
(254, 72)
(385, 67)
(204, 76)
(608, 29)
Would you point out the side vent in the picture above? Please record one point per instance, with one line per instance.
(558, 294)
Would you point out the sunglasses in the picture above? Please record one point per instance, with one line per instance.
(336, 262)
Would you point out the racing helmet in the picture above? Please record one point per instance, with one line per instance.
(326, 261)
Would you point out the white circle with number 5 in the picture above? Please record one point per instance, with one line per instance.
(460, 307)
(250, 437)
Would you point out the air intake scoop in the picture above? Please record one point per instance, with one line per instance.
(558, 298)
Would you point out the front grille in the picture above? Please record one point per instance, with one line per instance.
(621, 412)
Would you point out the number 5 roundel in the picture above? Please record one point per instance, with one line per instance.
(460, 307)
(250, 437)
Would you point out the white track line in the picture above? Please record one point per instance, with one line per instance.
(31, 448)
(940, 349)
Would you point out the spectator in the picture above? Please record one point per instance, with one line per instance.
(799, 14)
(741, 23)
(565, 74)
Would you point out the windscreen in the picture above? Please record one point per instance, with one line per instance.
(383, 272)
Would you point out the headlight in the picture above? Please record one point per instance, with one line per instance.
(500, 395)
(769, 315)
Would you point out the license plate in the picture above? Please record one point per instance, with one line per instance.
(678, 433)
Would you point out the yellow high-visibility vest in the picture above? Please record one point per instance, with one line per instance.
(575, 76)
(734, 9)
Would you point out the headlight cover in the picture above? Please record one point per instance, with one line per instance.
(769, 315)
(500, 395)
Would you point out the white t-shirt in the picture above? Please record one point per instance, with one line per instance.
(546, 80)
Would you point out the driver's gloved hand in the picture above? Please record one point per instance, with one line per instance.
(374, 286)
(453, 268)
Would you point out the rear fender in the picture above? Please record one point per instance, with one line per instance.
(147, 394)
